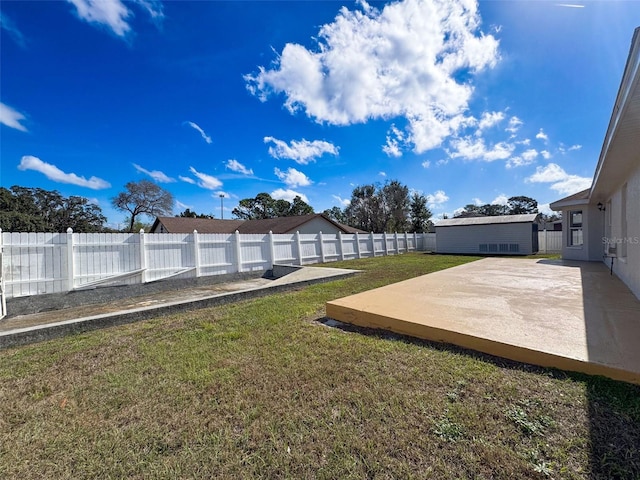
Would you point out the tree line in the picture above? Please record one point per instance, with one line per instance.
(372, 208)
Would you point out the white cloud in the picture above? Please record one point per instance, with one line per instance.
(561, 181)
(501, 199)
(345, 202)
(542, 136)
(110, 13)
(469, 148)
(187, 179)
(12, 30)
(545, 209)
(545, 154)
(526, 158)
(182, 205)
(220, 193)
(206, 181)
(574, 147)
(489, 119)
(236, 166)
(202, 133)
(395, 140)
(477, 201)
(437, 198)
(114, 14)
(382, 174)
(54, 173)
(293, 177)
(401, 61)
(426, 164)
(288, 195)
(157, 175)
(11, 118)
(300, 151)
(514, 125)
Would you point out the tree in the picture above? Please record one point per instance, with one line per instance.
(336, 214)
(189, 214)
(143, 198)
(264, 206)
(376, 208)
(420, 214)
(395, 201)
(365, 210)
(25, 209)
(520, 205)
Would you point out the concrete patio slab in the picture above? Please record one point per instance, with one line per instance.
(570, 315)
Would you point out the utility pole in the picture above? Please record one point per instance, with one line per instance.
(221, 206)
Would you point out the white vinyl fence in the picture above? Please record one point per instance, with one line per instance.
(549, 241)
(38, 263)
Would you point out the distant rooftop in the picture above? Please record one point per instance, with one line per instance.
(454, 222)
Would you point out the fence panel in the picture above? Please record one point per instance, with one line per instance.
(349, 247)
(428, 242)
(549, 241)
(216, 253)
(285, 249)
(331, 247)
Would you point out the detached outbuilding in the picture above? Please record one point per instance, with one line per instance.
(499, 235)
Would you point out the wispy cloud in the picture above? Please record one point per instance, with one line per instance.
(514, 125)
(114, 14)
(288, 195)
(12, 30)
(157, 175)
(560, 181)
(395, 141)
(345, 202)
(53, 173)
(473, 148)
(292, 177)
(236, 166)
(300, 151)
(542, 136)
(501, 199)
(202, 133)
(569, 5)
(372, 63)
(11, 118)
(205, 181)
(187, 179)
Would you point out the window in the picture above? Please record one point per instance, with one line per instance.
(575, 228)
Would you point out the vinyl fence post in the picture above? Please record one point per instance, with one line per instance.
(373, 244)
(299, 247)
(321, 247)
(415, 241)
(143, 258)
(340, 245)
(3, 305)
(395, 239)
(358, 246)
(238, 250)
(196, 252)
(70, 267)
(406, 242)
(386, 243)
(272, 249)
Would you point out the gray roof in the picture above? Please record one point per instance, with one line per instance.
(455, 222)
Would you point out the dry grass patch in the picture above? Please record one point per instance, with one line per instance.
(262, 389)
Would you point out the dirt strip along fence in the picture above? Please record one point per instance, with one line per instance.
(42, 263)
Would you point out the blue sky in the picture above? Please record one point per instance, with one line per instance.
(463, 102)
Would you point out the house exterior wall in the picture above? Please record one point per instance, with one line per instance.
(627, 263)
(316, 225)
(467, 239)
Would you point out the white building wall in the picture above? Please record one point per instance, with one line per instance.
(468, 238)
(317, 225)
(627, 265)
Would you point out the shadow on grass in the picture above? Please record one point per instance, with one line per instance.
(614, 407)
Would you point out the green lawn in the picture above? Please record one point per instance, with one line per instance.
(263, 389)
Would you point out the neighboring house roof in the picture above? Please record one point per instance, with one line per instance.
(620, 153)
(455, 222)
(275, 225)
(188, 225)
